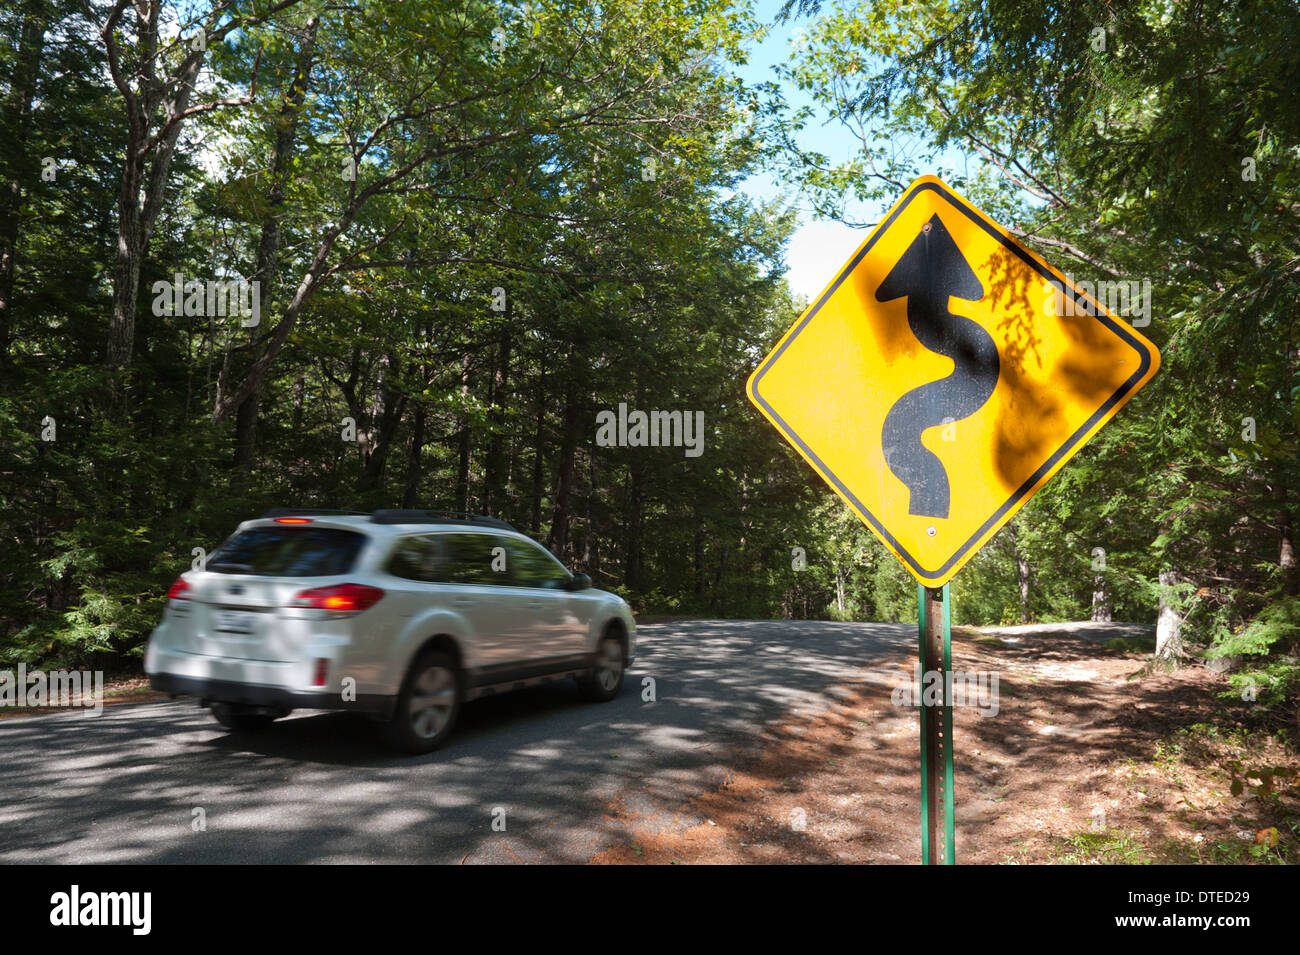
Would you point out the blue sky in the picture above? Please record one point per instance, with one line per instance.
(819, 247)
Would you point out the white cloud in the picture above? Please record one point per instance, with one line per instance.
(816, 253)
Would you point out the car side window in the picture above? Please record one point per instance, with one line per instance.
(468, 559)
(533, 566)
(416, 558)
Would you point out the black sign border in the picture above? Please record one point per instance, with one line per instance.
(1025, 490)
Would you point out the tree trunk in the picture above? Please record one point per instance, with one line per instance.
(1169, 623)
(1023, 571)
(1287, 557)
(539, 459)
(16, 120)
(299, 388)
(591, 543)
(698, 563)
(632, 566)
(410, 496)
(419, 427)
(715, 601)
(558, 539)
(1101, 609)
(126, 267)
(463, 438)
(494, 465)
(386, 410)
(268, 249)
(245, 439)
(147, 160)
(348, 388)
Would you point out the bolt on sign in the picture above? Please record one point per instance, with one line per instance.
(944, 376)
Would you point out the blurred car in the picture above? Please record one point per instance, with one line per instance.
(402, 615)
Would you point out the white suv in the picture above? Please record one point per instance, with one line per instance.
(401, 615)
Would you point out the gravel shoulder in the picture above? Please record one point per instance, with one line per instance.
(1087, 759)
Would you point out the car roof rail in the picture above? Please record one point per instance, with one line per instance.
(418, 516)
(307, 512)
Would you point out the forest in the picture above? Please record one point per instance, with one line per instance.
(434, 253)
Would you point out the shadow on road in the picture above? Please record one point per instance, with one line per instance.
(125, 786)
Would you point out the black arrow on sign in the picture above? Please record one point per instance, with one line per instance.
(928, 273)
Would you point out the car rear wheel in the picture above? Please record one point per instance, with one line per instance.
(606, 677)
(240, 719)
(427, 707)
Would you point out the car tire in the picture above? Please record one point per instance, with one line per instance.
(238, 719)
(427, 707)
(605, 680)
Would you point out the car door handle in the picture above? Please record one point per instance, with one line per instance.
(463, 602)
(536, 604)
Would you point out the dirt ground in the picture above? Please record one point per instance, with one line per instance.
(1086, 760)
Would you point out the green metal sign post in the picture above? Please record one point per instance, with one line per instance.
(935, 626)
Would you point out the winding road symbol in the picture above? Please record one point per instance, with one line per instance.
(930, 272)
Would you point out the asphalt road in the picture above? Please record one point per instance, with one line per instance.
(123, 787)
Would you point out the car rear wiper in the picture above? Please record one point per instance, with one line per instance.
(241, 568)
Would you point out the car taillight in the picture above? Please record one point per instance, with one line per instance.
(293, 520)
(338, 598)
(180, 590)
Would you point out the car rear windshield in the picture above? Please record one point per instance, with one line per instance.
(288, 552)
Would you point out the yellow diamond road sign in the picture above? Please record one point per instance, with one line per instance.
(944, 376)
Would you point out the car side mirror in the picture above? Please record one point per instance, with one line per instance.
(580, 582)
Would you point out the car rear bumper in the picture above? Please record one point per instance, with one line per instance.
(274, 697)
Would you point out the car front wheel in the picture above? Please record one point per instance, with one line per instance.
(606, 677)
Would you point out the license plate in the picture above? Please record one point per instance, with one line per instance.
(235, 621)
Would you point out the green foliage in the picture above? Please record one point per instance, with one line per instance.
(1105, 848)
(584, 159)
(1278, 623)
